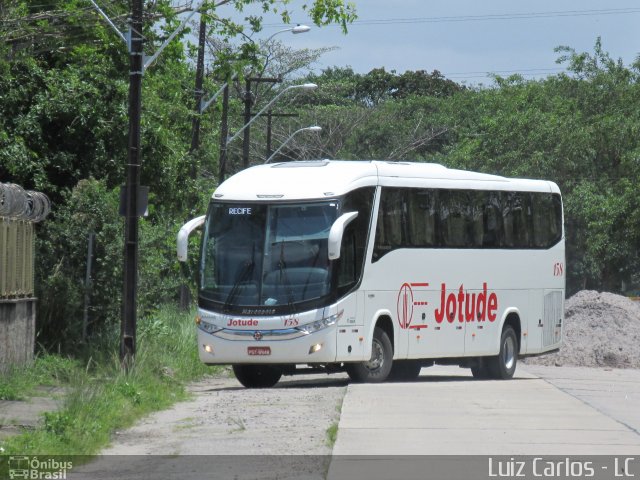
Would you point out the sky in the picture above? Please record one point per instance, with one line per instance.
(466, 39)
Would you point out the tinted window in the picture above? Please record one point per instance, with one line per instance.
(354, 240)
(422, 208)
(452, 218)
(391, 222)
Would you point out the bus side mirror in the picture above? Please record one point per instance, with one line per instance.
(183, 236)
(336, 232)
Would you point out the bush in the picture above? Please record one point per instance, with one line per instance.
(62, 253)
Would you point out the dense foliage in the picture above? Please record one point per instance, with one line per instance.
(63, 130)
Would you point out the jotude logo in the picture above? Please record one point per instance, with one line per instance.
(38, 468)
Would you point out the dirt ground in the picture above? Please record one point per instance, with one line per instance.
(272, 433)
(600, 330)
(224, 418)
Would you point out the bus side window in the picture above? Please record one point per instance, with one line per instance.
(422, 215)
(547, 222)
(455, 218)
(391, 222)
(354, 243)
(475, 224)
(347, 270)
(493, 227)
(557, 217)
(521, 211)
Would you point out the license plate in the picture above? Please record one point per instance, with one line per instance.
(259, 350)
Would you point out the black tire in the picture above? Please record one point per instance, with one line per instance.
(480, 370)
(377, 369)
(257, 376)
(503, 366)
(404, 370)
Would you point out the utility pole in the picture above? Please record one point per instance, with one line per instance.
(133, 197)
(248, 103)
(224, 133)
(129, 314)
(195, 127)
(270, 115)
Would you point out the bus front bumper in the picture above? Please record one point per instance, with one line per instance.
(260, 346)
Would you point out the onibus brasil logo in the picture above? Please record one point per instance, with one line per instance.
(38, 468)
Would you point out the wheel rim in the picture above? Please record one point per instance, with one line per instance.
(377, 356)
(509, 353)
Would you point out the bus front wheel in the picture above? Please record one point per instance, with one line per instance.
(257, 376)
(377, 369)
(503, 366)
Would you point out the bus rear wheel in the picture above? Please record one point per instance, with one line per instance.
(480, 370)
(377, 369)
(257, 376)
(503, 366)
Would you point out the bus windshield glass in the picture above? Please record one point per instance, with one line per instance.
(266, 255)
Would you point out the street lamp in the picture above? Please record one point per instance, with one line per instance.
(304, 86)
(314, 128)
(295, 30)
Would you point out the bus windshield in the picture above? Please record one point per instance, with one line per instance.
(266, 255)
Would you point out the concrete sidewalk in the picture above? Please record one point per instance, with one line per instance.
(447, 412)
(17, 416)
(613, 392)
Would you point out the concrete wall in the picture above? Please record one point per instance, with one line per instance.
(17, 331)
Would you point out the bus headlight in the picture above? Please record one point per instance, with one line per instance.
(208, 326)
(320, 324)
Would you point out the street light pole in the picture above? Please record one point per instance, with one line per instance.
(314, 128)
(248, 103)
(304, 86)
(295, 30)
(203, 104)
(224, 132)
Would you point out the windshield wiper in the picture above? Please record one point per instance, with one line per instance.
(315, 262)
(283, 276)
(244, 275)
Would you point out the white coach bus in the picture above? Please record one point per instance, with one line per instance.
(377, 268)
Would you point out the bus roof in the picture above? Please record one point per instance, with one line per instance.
(317, 179)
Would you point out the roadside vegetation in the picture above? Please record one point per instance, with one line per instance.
(100, 398)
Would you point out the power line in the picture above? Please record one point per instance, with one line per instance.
(526, 72)
(475, 18)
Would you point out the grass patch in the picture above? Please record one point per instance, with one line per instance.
(101, 397)
(332, 434)
(332, 431)
(19, 383)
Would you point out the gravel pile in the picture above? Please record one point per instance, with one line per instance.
(601, 330)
